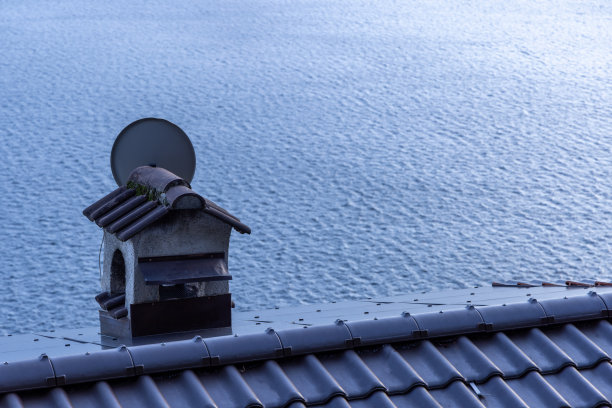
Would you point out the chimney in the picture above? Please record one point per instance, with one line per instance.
(165, 246)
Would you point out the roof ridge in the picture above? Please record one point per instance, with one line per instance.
(127, 361)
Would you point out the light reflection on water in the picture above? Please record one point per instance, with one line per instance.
(373, 149)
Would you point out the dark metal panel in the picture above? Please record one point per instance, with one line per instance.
(184, 390)
(456, 394)
(139, 392)
(577, 346)
(228, 389)
(112, 203)
(576, 389)
(26, 375)
(547, 356)
(378, 399)
(462, 321)
(572, 309)
(317, 338)
(156, 177)
(468, 360)
(89, 210)
(95, 395)
(504, 354)
(132, 216)
(418, 397)
(601, 378)
(271, 385)
(514, 315)
(382, 331)
(121, 210)
(350, 372)
(176, 315)
(495, 393)
(429, 363)
(170, 356)
(536, 392)
(599, 332)
(142, 223)
(177, 271)
(311, 379)
(391, 369)
(240, 349)
(238, 226)
(96, 366)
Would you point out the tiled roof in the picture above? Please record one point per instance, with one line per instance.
(553, 353)
(150, 194)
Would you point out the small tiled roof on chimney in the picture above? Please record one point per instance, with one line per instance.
(150, 193)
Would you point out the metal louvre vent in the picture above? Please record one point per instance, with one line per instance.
(174, 270)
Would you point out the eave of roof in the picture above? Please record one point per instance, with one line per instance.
(557, 339)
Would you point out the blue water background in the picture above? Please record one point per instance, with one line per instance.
(374, 147)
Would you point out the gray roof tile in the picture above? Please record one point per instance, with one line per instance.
(600, 333)
(576, 389)
(601, 378)
(583, 352)
(466, 320)
(417, 397)
(432, 366)
(227, 387)
(515, 315)
(378, 399)
(273, 387)
(495, 393)
(351, 373)
(536, 392)
(391, 369)
(554, 365)
(311, 378)
(456, 395)
(506, 356)
(468, 359)
(184, 390)
(227, 350)
(547, 356)
(576, 308)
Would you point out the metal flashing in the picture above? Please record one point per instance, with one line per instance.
(186, 270)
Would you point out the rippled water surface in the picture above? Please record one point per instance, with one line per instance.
(373, 147)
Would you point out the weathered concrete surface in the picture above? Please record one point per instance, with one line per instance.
(182, 232)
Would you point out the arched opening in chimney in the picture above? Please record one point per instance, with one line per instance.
(117, 278)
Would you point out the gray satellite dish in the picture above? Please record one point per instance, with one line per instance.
(152, 142)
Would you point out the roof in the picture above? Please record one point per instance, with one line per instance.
(150, 193)
(550, 352)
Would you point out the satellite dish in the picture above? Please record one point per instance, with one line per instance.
(152, 142)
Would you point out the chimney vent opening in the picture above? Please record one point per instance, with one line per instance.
(117, 278)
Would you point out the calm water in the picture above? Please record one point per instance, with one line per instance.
(373, 147)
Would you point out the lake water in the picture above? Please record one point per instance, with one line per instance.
(374, 148)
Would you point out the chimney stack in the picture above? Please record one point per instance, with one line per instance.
(165, 246)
